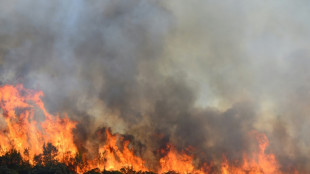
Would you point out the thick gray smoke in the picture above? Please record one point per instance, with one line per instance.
(201, 73)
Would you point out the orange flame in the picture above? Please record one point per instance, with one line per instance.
(179, 162)
(22, 131)
(260, 163)
(26, 126)
(116, 159)
(110, 157)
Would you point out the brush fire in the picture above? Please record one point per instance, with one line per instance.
(154, 87)
(51, 142)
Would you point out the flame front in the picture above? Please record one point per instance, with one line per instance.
(24, 134)
(116, 159)
(259, 163)
(22, 109)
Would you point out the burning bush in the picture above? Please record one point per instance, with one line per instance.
(28, 145)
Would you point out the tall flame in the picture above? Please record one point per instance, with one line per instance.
(177, 161)
(22, 131)
(27, 126)
(259, 163)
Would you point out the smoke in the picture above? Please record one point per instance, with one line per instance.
(201, 73)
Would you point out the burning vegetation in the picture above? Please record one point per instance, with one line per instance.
(47, 144)
(118, 86)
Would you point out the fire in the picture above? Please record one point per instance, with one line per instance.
(22, 132)
(110, 157)
(116, 159)
(259, 163)
(177, 161)
(27, 126)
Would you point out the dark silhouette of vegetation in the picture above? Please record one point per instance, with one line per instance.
(129, 170)
(48, 156)
(111, 172)
(171, 172)
(13, 163)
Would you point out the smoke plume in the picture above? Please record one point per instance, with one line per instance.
(194, 73)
